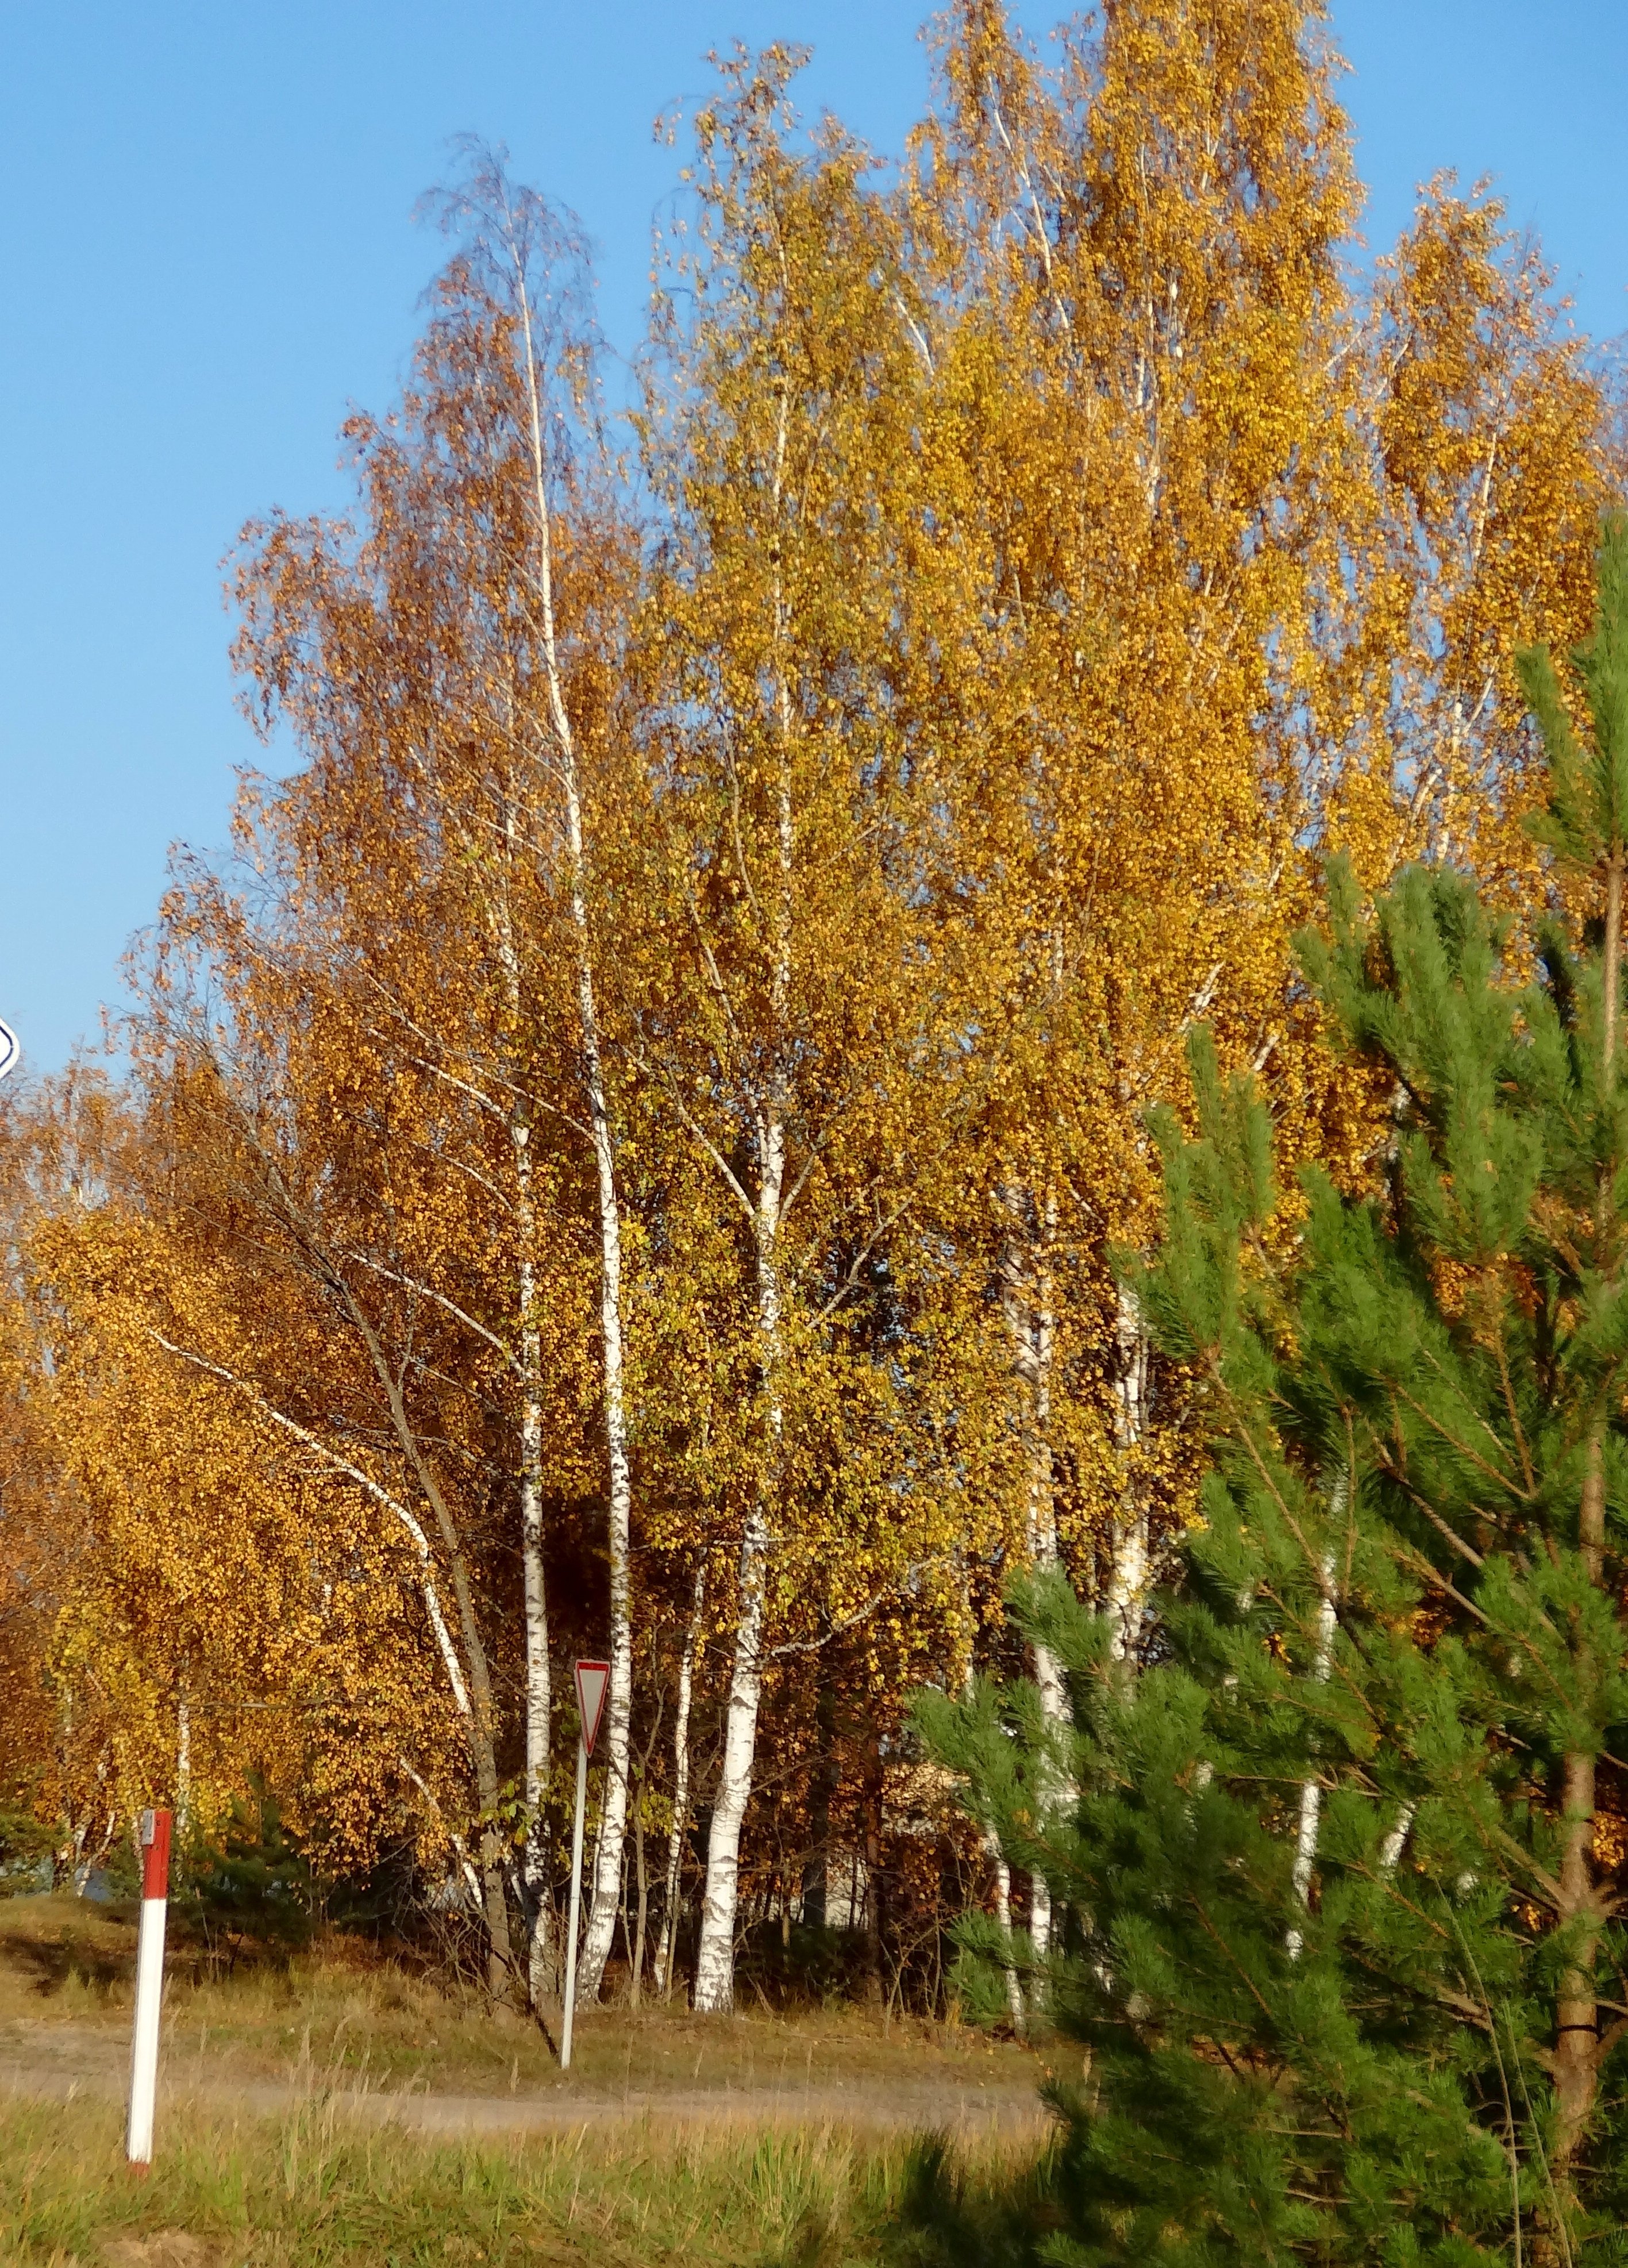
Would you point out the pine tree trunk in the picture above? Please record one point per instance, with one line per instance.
(1042, 1523)
(875, 1898)
(1577, 2014)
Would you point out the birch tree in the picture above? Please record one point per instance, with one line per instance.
(779, 789)
(535, 268)
(1137, 313)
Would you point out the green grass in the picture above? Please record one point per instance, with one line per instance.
(313, 2189)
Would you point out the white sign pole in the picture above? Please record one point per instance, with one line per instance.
(576, 1906)
(592, 1679)
(155, 1841)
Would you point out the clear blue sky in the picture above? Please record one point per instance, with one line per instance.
(206, 245)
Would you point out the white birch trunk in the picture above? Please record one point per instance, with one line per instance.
(1003, 1915)
(667, 1944)
(539, 1695)
(714, 1993)
(715, 1959)
(1031, 1318)
(1044, 1547)
(619, 1698)
(183, 1770)
(1311, 1790)
(995, 1854)
(636, 1983)
(1391, 1848)
(1128, 1573)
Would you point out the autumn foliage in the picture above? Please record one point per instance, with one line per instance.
(625, 1155)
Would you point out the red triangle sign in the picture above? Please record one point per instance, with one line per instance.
(592, 1679)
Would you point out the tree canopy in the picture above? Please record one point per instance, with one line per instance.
(670, 1132)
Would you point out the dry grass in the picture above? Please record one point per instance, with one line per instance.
(342, 2012)
(310, 2189)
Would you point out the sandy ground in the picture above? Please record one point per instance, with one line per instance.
(62, 2061)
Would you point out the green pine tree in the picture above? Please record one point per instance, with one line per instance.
(1346, 1865)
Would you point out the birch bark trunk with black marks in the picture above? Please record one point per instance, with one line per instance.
(183, 1770)
(1322, 1663)
(1029, 1304)
(605, 1895)
(1391, 1848)
(1003, 1915)
(539, 1694)
(636, 1981)
(996, 1855)
(1127, 1570)
(1311, 1788)
(619, 1698)
(714, 1992)
(667, 1943)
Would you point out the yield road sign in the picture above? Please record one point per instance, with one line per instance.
(592, 1678)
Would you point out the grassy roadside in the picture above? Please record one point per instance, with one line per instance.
(340, 2011)
(796, 2158)
(312, 2191)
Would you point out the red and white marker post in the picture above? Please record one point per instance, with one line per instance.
(155, 1848)
(592, 1679)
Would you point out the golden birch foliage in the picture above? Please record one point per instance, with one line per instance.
(1243, 561)
(1485, 428)
(176, 1558)
(220, 1574)
(1054, 551)
(783, 1002)
(43, 1536)
(1134, 262)
(357, 1020)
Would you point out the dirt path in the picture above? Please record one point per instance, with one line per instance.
(61, 2062)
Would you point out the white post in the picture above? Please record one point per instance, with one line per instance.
(155, 1841)
(575, 1905)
